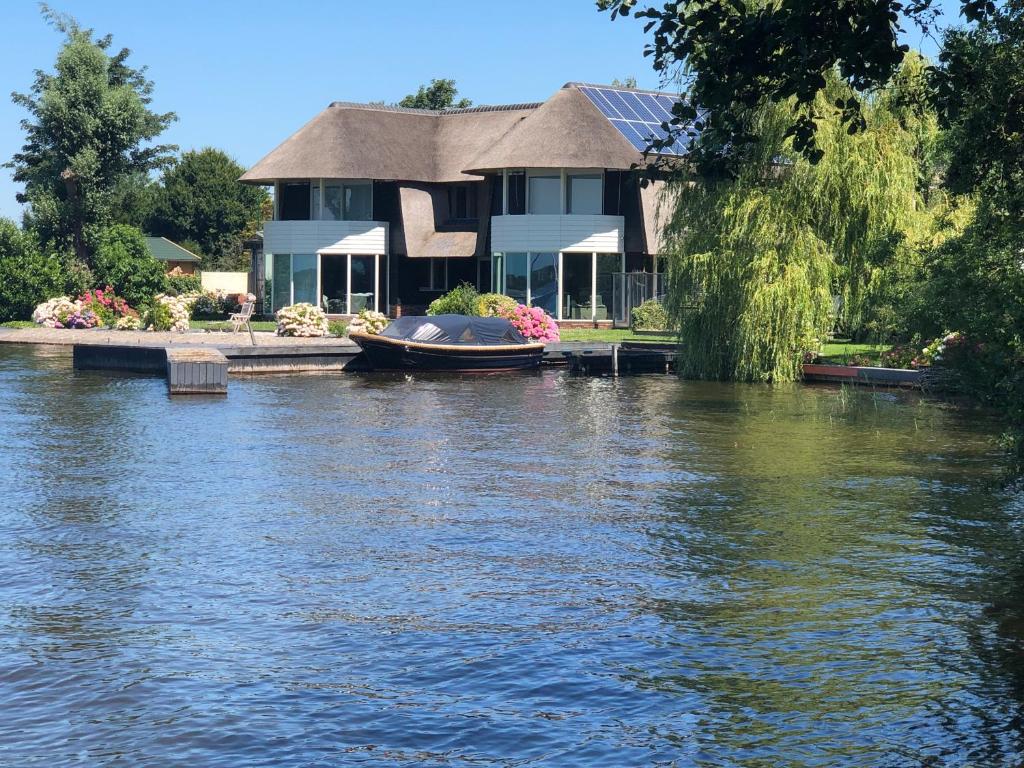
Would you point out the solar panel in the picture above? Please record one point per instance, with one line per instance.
(637, 115)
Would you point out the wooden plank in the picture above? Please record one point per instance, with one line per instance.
(196, 370)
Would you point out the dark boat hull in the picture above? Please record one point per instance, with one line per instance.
(385, 354)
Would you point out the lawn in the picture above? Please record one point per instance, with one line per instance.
(224, 325)
(839, 352)
(609, 335)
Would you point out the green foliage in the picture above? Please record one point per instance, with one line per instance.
(756, 260)
(649, 316)
(460, 300)
(27, 277)
(88, 121)
(184, 284)
(337, 328)
(200, 202)
(123, 262)
(493, 305)
(440, 94)
(18, 324)
(737, 56)
(158, 317)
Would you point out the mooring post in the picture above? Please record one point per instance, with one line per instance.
(615, 359)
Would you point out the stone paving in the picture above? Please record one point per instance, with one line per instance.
(158, 339)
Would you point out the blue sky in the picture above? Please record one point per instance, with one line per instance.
(243, 76)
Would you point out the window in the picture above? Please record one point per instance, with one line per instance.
(545, 194)
(437, 275)
(295, 201)
(358, 202)
(462, 203)
(584, 194)
(544, 281)
(516, 193)
(304, 279)
(516, 276)
(281, 289)
(332, 202)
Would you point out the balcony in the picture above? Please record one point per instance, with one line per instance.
(336, 237)
(552, 233)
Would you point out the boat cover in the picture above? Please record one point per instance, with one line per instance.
(454, 329)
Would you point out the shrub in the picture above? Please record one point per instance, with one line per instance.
(54, 313)
(158, 317)
(184, 283)
(901, 356)
(494, 305)
(649, 316)
(107, 305)
(27, 277)
(533, 323)
(337, 328)
(460, 300)
(122, 260)
(179, 309)
(369, 321)
(302, 320)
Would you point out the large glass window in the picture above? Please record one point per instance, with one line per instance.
(362, 283)
(576, 285)
(282, 281)
(516, 193)
(295, 201)
(607, 265)
(358, 202)
(332, 202)
(515, 276)
(304, 279)
(498, 273)
(462, 202)
(584, 193)
(545, 194)
(544, 281)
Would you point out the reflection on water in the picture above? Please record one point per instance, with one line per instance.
(526, 570)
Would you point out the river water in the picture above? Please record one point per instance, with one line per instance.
(501, 571)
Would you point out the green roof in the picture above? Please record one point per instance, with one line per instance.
(163, 249)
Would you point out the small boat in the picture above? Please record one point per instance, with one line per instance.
(449, 343)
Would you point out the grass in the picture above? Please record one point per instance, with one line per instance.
(224, 325)
(839, 352)
(18, 324)
(609, 335)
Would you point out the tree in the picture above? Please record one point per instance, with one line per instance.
(755, 261)
(27, 277)
(626, 82)
(979, 87)
(88, 126)
(440, 94)
(199, 199)
(733, 56)
(123, 262)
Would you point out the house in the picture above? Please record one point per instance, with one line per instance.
(172, 255)
(378, 206)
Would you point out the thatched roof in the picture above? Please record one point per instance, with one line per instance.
(366, 141)
(417, 235)
(567, 131)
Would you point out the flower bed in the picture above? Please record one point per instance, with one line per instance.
(533, 322)
(302, 320)
(94, 308)
(369, 321)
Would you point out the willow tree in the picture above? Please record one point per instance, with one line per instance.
(763, 264)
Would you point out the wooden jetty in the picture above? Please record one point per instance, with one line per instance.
(204, 369)
(626, 358)
(196, 371)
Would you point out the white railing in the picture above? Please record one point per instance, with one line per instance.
(543, 233)
(340, 237)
